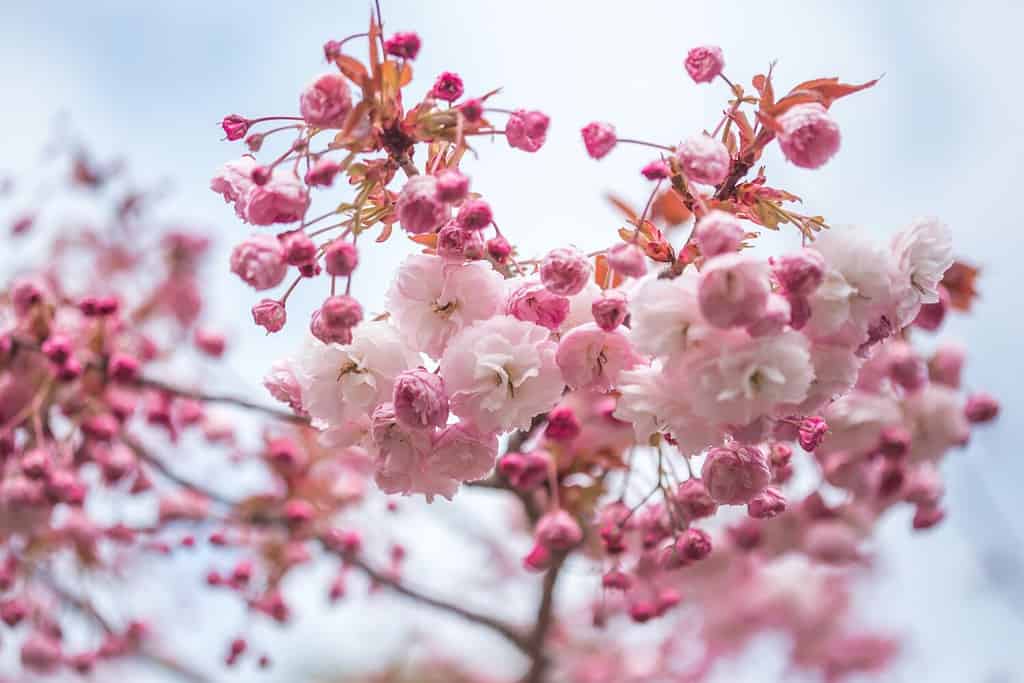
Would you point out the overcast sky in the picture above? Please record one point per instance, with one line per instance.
(940, 135)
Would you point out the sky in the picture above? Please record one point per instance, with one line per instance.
(940, 135)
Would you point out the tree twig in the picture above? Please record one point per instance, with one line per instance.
(221, 398)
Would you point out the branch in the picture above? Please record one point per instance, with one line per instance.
(545, 617)
(219, 398)
(505, 630)
(87, 608)
(143, 454)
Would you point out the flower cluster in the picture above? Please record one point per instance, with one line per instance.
(716, 431)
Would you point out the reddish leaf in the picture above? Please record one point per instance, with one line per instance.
(959, 282)
(601, 273)
(353, 69)
(670, 207)
(623, 207)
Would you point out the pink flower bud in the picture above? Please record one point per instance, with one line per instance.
(694, 501)
(235, 126)
(599, 139)
(475, 214)
(13, 611)
(534, 303)
(525, 471)
(404, 45)
(498, 248)
(563, 425)
(733, 290)
(297, 512)
(452, 185)
(616, 579)
(812, 432)
(261, 175)
(70, 370)
(704, 63)
(527, 130)
(718, 232)
(322, 173)
(894, 442)
(627, 260)
(259, 261)
(767, 504)
(981, 407)
(538, 559)
(341, 312)
(809, 136)
(565, 271)
(610, 310)
(946, 365)
(928, 516)
(255, 142)
(122, 367)
(419, 209)
(735, 474)
(642, 611)
(58, 348)
(269, 314)
(906, 368)
(25, 294)
(799, 273)
(299, 249)
(703, 159)
(558, 530)
(447, 87)
(341, 258)
(472, 110)
(656, 170)
(40, 653)
(456, 244)
(325, 103)
(210, 342)
(420, 400)
(694, 544)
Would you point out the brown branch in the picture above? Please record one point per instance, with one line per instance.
(221, 398)
(500, 627)
(143, 454)
(87, 608)
(539, 660)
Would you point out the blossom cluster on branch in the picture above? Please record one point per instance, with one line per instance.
(717, 431)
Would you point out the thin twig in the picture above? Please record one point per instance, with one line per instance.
(221, 398)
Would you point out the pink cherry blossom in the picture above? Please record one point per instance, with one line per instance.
(590, 357)
(809, 137)
(432, 301)
(419, 208)
(500, 372)
(703, 159)
(735, 475)
(527, 130)
(326, 102)
(733, 290)
(704, 63)
(259, 261)
(420, 400)
(599, 139)
(565, 271)
(533, 302)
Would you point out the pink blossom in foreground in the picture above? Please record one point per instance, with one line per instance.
(704, 63)
(809, 137)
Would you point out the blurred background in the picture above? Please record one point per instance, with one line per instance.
(941, 134)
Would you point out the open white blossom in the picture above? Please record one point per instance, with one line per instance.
(923, 252)
(501, 372)
(431, 301)
(343, 384)
(665, 316)
(742, 378)
(653, 400)
(857, 286)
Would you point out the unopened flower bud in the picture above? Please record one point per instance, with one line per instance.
(599, 139)
(704, 63)
(269, 314)
(627, 260)
(565, 271)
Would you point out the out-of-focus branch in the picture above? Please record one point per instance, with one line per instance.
(87, 608)
(221, 398)
(505, 630)
(539, 661)
(143, 454)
